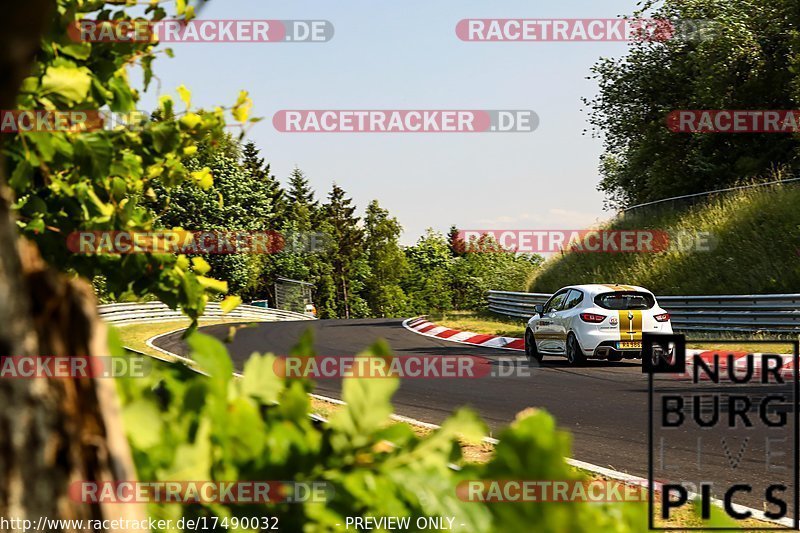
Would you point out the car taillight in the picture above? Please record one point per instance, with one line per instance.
(592, 318)
(664, 317)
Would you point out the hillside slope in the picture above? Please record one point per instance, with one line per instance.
(756, 250)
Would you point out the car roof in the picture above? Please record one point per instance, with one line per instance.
(600, 288)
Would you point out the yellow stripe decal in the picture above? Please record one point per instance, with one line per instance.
(619, 287)
(549, 336)
(630, 325)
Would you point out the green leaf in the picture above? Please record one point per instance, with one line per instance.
(245, 428)
(70, 84)
(104, 209)
(118, 188)
(143, 423)
(185, 96)
(165, 137)
(260, 380)
(200, 266)
(230, 303)
(192, 461)
(29, 85)
(241, 109)
(368, 400)
(36, 226)
(45, 143)
(190, 121)
(464, 424)
(93, 152)
(123, 95)
(213, 285)
(80, 51)
(147, 69)
(21, 176)
(167, 103)
(211, 356)
(203, 178)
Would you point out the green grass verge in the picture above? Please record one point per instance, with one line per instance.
(756, 234)
(480, 322)
(739, 342)
(135, 336)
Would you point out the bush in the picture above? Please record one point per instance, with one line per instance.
(186, 426)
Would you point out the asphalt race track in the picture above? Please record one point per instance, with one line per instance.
(604, 405)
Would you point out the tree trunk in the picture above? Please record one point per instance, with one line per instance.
(53, 432)
(344, 295)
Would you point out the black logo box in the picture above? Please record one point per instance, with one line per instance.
(677, 364)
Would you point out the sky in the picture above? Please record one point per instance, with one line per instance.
(406, 55)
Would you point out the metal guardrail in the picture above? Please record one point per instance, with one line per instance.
(129, 313)
(709, 193)
(750, 313)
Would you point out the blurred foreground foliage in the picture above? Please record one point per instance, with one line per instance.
(186, 426)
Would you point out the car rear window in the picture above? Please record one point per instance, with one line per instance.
(625, 300)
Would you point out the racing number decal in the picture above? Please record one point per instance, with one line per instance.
(630, 325)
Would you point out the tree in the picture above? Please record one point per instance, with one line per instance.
(387, 262)
(747, 60)
(238, 200)
(57, 431)
(428, 281)
(96, 179)
(258, 169)
(455, 242)
(302, 207)
(486, 266)
(346, 249)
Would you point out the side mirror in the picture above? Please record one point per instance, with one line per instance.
(539, 308)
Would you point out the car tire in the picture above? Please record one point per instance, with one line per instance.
(531, 352)
(575, 355)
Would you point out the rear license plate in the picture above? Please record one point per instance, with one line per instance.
(629, 345)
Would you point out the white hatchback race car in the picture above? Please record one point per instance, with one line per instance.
(594, 322)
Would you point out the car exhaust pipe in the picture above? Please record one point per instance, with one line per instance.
(602, 352)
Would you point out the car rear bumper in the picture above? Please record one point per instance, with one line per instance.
(609, 350)
(601, 343)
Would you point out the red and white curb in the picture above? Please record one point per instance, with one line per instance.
(423, 326)
(429, 329)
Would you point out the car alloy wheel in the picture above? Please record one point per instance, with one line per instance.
(574, 354)
(531, 352)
